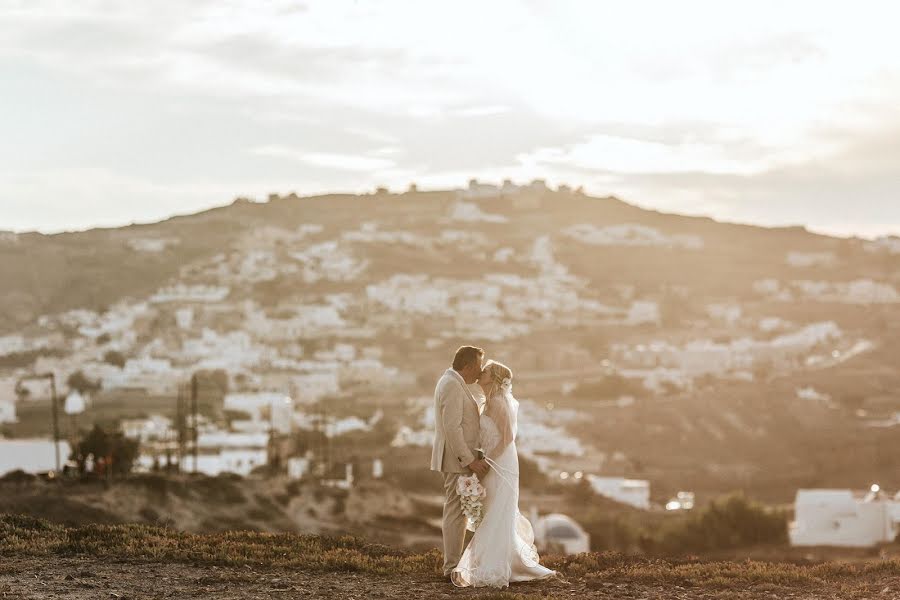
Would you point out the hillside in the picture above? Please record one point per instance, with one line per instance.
(694, 354)
(139, 561)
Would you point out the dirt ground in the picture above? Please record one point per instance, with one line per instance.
(89, 578)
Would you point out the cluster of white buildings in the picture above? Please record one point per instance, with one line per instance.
(469, 212)
(185, 293)
(479, 190)
(518, 302)
(858, 291)
(631, 234)
(329, 261)
(701, 357)
(886, 244)
(15, 344)
(306, 321)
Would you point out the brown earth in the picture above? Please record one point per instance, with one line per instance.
(92, 578)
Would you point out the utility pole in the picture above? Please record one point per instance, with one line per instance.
(55, 410)
(194, 416)
(179, 423)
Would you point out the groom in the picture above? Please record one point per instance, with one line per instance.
(456, 429)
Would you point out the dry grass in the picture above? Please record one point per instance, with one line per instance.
(35, 537)
(26, 536)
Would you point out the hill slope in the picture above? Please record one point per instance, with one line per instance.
(696, 354)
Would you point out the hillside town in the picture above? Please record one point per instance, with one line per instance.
(328, 329)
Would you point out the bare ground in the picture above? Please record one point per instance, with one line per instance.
(92, 578)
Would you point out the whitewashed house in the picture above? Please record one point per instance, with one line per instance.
(7, 411)
(841, 518)
(74, 404)
(154, 427)
(635, 492)
(32, 455)
(224, 452)
(559, 533)
(298, 467)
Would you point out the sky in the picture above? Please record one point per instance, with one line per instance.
(759, 112)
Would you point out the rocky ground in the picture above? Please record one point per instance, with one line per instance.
(91, 578)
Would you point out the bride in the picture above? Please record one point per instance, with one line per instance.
(502, 549)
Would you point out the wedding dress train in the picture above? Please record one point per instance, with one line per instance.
(502, 549)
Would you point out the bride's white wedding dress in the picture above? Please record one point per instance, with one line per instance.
(502, 549)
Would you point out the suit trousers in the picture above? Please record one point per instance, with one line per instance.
(454, 523)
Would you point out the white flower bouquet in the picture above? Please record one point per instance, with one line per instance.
(471, 493)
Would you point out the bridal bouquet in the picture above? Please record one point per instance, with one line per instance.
(471, 493)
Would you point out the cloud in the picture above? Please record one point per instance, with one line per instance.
(348, 162)
(766, 112)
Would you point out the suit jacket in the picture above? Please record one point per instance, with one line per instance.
(456, 425)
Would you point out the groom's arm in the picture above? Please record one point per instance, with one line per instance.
(452, 418)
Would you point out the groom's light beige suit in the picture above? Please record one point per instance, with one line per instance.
(456, 432)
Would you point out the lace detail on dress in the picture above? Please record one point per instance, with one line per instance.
(490, 435)
(497, 577)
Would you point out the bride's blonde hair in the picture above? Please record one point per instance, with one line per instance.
(496, 408)
(500, 373)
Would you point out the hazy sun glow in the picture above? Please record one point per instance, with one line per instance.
(765, 112)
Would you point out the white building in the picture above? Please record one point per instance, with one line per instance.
(31, 455)
(191, 293)
(297, 467)
(155, 427)
(810, 259)
(184, 317)
(470, 212)
(153, 374)
(11, 344)
(7, 411)
(558, 533)
(313, 386)
(271, 407)
(8, 389)
(643, 311)
(74, 404)
(631, 234)
(224, 452)
(635, 492)
(241, 461)
(841, 518)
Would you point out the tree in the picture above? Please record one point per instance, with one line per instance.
(114, 357)
(79, 382)
(100, 443)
